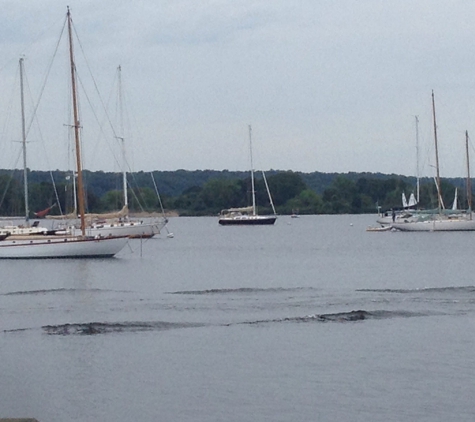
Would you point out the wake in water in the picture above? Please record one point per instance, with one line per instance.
(46, 291)
(415, 303)
(454, 289)
(351, 316)
(240, 290)
(91, 328)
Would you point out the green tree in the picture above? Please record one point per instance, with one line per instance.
(218, 194)
(340, 197)
(284, 186)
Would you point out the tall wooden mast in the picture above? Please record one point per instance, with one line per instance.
(76, 128)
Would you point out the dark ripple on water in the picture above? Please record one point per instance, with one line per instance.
(454, 289)
(351, 316)
(91, 328)
(46, 291)
(240, 290)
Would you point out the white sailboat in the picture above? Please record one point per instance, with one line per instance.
(119, 223)
(68, 246)
(25, 229)
(248, 216)
(442, 221)
(408, 211)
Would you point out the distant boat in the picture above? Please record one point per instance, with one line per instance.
(444, 220)
(248, 216)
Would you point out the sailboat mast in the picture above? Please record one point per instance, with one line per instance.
(23, 137)
(252, 174)
(76, 128)
(437, 181)
(469, 182)
(124, 160)
(417, 160)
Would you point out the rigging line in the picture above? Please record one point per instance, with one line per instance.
(11, 177)
(158, 195)
(98, 94)
(31, 45)
(101, 126)
(48, 71)
(40, 134)
(97, 120)
(128, 168)
(35, 118)
(137, 199)
(103, 106)
(9, 113)
(268, 192)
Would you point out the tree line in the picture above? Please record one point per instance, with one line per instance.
(207, 192)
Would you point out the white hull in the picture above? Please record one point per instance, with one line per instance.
(25, 230)
(135, 229)
(436, 225)
(61, 247)
(386, 220)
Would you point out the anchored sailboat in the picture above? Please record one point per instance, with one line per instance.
(119, 223)
(55, 246)
(248, 216)
(25, 229)
(441, 221)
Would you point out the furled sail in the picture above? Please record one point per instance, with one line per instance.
(244, 210)
(124, 212)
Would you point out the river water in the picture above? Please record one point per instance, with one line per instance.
(246, 324)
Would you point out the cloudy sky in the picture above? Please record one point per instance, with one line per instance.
(327, 85)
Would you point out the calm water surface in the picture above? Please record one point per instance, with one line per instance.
(246, 324)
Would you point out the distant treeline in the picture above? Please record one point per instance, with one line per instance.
(206, 192)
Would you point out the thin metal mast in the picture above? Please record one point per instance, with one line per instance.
(437, 180)
(23, 133)
(469, 182)
(124, 159)
(417, 160)
(76, 128)
(252, 175)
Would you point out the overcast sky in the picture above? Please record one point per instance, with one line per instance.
(329, 86)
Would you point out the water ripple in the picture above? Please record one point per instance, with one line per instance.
(449, 289)
(240, 290)
(351, 316)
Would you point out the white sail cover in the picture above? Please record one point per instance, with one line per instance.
(106, 216)
(71, 216)
(124, 212)
(244, 210)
